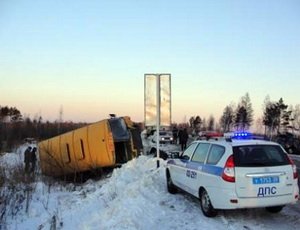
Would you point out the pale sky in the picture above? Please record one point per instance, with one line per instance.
(90, 57)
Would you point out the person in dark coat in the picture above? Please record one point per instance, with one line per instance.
(27, 159)
(183, 138)
(175, 135)
(33, 159)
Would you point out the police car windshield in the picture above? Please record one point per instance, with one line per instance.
(259, 156)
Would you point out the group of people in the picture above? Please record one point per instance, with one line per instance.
(182, 136)
(30, 159)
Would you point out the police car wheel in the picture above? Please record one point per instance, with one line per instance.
(274, 209)
(206, 206)
(171, 187)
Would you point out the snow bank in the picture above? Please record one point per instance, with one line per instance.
(134, 197)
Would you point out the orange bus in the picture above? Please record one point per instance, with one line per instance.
(106, 143)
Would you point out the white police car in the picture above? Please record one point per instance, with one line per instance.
(235, 173)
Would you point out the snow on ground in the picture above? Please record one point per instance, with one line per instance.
(134, 197)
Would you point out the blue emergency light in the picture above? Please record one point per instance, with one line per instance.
(241, 134)
(238, 136)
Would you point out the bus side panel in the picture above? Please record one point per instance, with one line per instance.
(57, 167)
(67, 153)
(50, 158)
(102, 153)
(110, 145)
(43, 146)
(82, 149)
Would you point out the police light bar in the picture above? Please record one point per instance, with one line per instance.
(237, 135)
(242, 135)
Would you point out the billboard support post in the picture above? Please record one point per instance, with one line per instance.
(157, 116)
(157, 104)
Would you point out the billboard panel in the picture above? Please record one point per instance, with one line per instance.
(151, 99)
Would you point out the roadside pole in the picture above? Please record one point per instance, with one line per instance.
(157, 116)
(157, 107)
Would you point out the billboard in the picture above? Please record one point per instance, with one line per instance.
(162, 84)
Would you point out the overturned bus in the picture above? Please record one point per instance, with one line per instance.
(107, 143)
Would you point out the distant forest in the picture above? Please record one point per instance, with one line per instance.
(16, 128)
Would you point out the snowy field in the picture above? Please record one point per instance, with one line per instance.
(134, 197)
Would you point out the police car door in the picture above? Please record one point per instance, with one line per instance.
(178, 171)
(193, 174)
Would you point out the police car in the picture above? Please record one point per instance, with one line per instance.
(236, 172)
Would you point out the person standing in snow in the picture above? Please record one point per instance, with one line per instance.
(183, 138)
(27, 156)
(175, 134)
(33, 159)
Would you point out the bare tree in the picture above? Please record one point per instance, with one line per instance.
(244, 113)
(296, 117)
(276, 117)
(259, 127)
(211, 123)
(226, 120)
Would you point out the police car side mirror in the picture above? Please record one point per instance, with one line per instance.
(175, 155)
(185, 157)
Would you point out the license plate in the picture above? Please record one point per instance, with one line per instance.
(265, 180)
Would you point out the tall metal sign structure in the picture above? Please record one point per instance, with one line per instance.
(157, 103)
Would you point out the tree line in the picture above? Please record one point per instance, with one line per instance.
(277, 118)
(15, 128)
